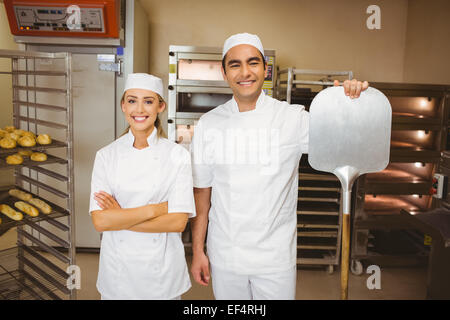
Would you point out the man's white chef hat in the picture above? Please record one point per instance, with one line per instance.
(144, 81)
(242, 38)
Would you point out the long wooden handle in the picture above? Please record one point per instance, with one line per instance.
(345, 255)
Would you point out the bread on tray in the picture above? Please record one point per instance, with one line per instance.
(38, 156)
(10, 212)
(41, 205)
(19, 194)
(27, 208)
(44, 139)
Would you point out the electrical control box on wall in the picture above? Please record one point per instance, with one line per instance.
(439, 187)
(60, 18)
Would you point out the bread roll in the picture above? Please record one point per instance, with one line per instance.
(41, 205)
(10, 128)
(19, 132)
(14, 159)
(3, 133)
(10, 212)
(26, 141)
(19, 194)
(25, 153)
(8, 143)
(14, 136)
(27, 208)
(38, 156)
(44, 139)
(29, 134)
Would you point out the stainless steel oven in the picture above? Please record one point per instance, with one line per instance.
(196, 86)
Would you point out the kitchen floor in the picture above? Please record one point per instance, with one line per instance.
(312, 283)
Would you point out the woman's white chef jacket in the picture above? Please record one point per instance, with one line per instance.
(251, 159)
(138, 265)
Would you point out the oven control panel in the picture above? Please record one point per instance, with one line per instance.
(64, 18)
(59, 19)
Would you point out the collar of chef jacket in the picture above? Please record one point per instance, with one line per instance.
(258, 107)
(152, 139)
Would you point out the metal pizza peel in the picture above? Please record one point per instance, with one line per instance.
(349, 137)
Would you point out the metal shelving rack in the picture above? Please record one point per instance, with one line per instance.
(36, 268)
(319, 211)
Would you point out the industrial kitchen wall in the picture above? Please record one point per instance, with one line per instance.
(324, 34)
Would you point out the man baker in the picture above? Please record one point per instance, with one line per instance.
(245, 158)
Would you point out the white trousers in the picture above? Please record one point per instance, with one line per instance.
(272, 286)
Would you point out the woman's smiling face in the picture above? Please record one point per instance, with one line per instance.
(141, 107)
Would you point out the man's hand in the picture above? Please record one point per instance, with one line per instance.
(200, 268)
(353, 88)
(106, 201)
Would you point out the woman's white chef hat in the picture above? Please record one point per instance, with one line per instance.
(144, 81)
(242, 38)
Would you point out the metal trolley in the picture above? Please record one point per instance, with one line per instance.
(42, 103)
(196, 86)
(319, 212)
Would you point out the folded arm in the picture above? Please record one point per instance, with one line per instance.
(173, 222)
(116, 218)
(148, 218)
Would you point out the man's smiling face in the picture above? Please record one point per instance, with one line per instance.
(245, 72)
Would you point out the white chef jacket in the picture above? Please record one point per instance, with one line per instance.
(251, 159)
(138, 265)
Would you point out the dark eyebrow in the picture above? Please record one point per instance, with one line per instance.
(150, 97)
(233, 61)
(254, 59)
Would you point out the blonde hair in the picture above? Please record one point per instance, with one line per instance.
(160, 131)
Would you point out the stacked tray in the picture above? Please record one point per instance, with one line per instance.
(38, 280)
(8, 223)
(318, 215)
(37, 147)
(27, 162)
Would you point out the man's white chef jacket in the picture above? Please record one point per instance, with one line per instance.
(139, 265)
(251, 159)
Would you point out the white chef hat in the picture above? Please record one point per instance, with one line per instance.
(144, 81)
(242, 38)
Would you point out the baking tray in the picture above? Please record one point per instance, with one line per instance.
(27, 284)
(408, 152)
(318, 208)
(37, 147)
(8, 223)
(396, 181)
(411, 121)
(389, 205)
(27, 162)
